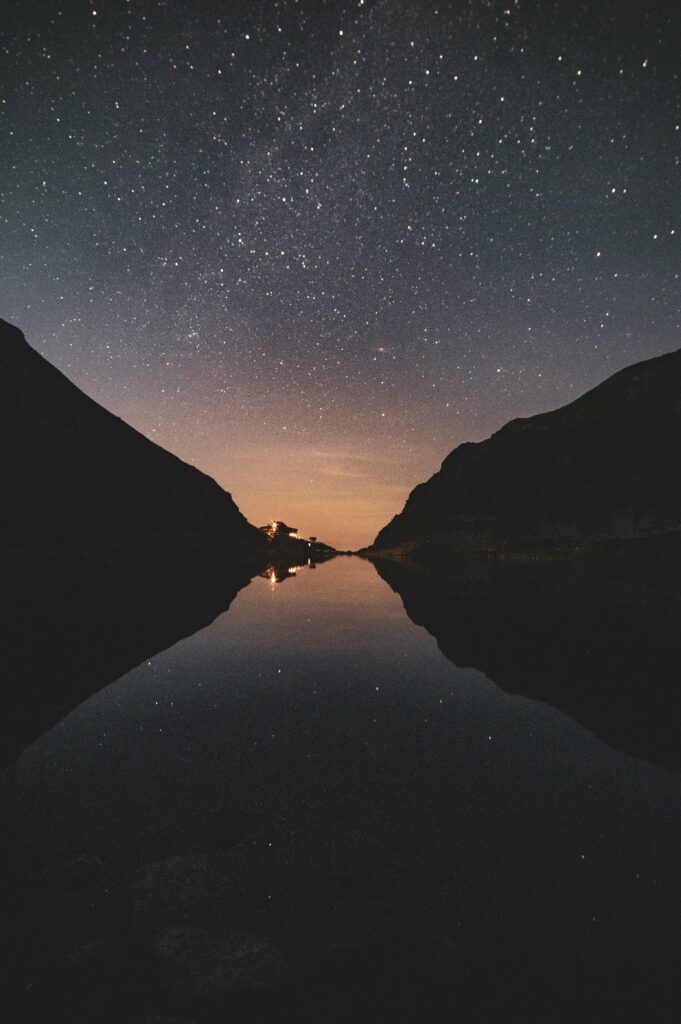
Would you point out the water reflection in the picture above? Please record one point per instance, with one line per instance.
(281, 571)
(606, 651)
(73, 625)
(277, 574)
(305, 812)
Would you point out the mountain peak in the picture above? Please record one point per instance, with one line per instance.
(11, 335)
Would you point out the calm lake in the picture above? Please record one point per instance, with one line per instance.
(306, 812)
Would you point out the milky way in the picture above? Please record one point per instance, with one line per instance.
(311, 247)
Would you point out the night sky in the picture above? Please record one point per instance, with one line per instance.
(311, 247)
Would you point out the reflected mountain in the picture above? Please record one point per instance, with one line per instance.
(306, 813)
(604, 650)
(71, 630)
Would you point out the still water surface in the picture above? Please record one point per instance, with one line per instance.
(480, 848)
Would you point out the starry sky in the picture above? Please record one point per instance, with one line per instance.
(311, 247)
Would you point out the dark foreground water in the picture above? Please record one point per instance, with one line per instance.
(305, 812)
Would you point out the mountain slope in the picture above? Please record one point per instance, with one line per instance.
(76, 477)
(605, 468)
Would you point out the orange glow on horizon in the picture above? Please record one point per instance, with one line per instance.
(342, 487)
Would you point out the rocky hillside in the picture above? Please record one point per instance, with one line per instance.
(603, 470)
(76, 477)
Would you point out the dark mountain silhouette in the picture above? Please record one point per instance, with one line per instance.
(72, 625)
(76, 477)
(603, 470)
(111, 549)
(606, 650)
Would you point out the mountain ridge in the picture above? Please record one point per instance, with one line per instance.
(602, 468)
(77, 475)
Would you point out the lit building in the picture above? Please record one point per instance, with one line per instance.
(278, 529)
